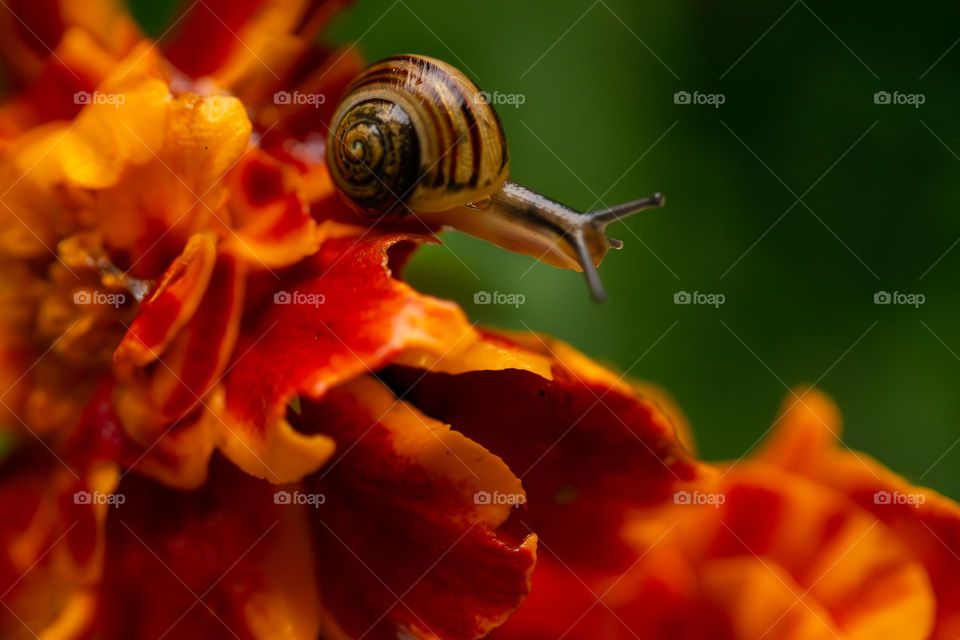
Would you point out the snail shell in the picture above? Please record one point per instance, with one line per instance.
(415, 134)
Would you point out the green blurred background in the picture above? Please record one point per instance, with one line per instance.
(880, 186)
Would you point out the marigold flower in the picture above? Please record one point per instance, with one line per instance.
(232, 418)
(802, 539)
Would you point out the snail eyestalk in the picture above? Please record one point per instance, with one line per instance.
(627, 209)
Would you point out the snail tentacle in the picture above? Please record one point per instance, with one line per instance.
(524, 221)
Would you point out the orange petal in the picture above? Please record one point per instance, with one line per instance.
(929, 524)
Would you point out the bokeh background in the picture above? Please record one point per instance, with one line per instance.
(797, 199)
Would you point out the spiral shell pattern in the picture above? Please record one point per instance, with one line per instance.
(375, 156)
(415, 134)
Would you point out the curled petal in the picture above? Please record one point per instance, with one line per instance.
(278, 453)
(552, 430)
(195, 361)
(445, 570)
(556, 432)
(345, 317)
(171, 304)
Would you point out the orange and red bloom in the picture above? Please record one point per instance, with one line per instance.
(230, 417)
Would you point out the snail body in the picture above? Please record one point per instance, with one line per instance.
(414, 136)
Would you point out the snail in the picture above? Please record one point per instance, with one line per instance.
(414, 136)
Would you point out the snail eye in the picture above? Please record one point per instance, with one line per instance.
(376, 156)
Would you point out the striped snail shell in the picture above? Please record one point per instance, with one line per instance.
(415, 134)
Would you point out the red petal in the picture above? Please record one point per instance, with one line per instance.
(588, 450)
(178, 457)
(212, 32)
(272, 226)
(317, 72)
(32, 30)
(171, 305)
(348, 316)
(200, 355)
(153, 401)
(405, 548)
(51, 543)
(202, 564)
(206, 34)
